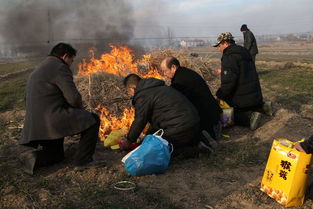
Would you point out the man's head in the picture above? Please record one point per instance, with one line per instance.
(65, 52)
(244, 28)
(169, 66)
(224, 40)
(130, 82)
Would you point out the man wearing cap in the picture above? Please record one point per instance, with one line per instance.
(240, 86)
(249, 41)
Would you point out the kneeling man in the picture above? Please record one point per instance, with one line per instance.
(164, 108)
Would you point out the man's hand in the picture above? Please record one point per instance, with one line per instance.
(298, 147)
(124, 143)
(140, 138)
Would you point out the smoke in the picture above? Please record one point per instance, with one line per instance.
(152, 22)
(82, 21)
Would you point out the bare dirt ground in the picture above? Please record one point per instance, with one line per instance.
(229, 178)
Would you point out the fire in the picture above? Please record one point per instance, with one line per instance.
(109, 122)
(120, 61)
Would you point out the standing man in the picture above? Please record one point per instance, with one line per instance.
(240, 86)
(54, 110)
(249, 41)
(164, 108)
(194, 87)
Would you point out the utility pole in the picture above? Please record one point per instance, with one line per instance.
(311, 35)
(50, 31)
(169, 36)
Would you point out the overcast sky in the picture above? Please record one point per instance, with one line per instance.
(210, 17)
(152, 18)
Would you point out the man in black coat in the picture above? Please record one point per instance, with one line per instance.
(54, 110)
(194, 87)
(249, 41)
(240, 86)
(163, 108)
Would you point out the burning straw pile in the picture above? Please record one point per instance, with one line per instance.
(100, 81)
(103, 89)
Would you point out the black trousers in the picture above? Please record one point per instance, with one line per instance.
(242, 116)
(53, 150)
(209, 127)
(253, 58)
(186, 143)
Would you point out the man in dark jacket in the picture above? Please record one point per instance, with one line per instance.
(249, 41)
(194, 87)
(240, 86)
(54, 110)
(164, 108)
(305, 146)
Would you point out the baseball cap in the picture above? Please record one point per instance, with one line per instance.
(227, 36)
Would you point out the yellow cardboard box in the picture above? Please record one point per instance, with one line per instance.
(286, 173)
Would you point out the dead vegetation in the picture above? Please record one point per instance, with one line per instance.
(107, 90)
(103, 89)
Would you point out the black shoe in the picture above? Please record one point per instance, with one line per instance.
(29, 161)
(92, 164)
(208, 140)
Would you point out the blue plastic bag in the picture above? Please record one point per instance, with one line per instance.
(151, 157)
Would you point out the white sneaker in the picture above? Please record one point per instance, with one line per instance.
(268, 108)
(255, 120)
(203, 148)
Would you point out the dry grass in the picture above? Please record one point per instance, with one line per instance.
(103, 89)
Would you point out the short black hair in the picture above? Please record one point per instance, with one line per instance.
(172, 61)
(131, 79)
(61, 49)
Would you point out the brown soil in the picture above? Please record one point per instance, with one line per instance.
(223, 180)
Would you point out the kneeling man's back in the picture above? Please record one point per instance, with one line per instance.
(164, 108)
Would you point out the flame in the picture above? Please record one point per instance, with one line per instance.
(109, 122)
(119, 61)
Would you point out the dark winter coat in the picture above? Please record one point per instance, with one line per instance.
(240, 86)
(53, 103)
(307, 145)
(164, 108)
(194, 87)
(250, 43)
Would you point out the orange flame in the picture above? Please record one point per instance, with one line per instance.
(120, 61)
(109, 122)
